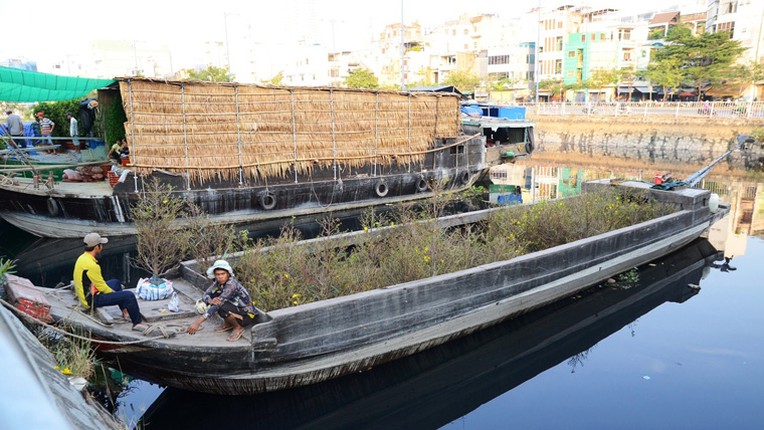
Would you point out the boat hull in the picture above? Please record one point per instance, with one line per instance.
(66, 212)
(323, 340)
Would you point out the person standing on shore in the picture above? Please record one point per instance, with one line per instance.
(93, 291)
(14, 126)
(46, 127)
(73, 131)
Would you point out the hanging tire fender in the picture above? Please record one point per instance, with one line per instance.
(268, 200)
(381, 188)
(53, 207)
(464, 177)
(421, 185)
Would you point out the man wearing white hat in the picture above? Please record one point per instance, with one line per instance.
(93, 291)
(229, 299)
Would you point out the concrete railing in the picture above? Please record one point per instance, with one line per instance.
(652, 109)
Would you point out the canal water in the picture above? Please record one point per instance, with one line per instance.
(683, 348)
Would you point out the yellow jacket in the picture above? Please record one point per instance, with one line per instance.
(87, 274)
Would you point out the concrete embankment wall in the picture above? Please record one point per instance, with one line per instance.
(654, 139)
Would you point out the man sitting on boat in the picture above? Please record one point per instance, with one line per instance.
(93, 291)
(229, 299)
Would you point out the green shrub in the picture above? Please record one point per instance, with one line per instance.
(289, 273)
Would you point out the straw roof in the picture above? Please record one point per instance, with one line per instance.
(215, 130)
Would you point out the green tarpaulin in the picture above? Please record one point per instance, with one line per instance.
(27, 87)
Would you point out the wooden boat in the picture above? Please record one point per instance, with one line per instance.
(249, 154)
(432, 388)
(323, 340)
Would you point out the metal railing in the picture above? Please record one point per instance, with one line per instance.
(728, 110)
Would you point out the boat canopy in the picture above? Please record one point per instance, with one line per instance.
(26, 87)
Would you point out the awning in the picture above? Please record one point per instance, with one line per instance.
(27, 87)
(637, 89)
(721, 90)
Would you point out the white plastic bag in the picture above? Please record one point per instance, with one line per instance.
(174, 304)
(149, 291)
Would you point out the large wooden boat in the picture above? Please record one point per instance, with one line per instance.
(433, 388)
(323, 340)
(248, 154)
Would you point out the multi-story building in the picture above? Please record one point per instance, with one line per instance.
(555, 26)
(124, 58)
(744, 20)
(604, 45)
(394, 66)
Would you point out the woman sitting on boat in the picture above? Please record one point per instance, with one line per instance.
(229, 299)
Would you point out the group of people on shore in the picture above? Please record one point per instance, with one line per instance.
(226, 297)
(14, 126)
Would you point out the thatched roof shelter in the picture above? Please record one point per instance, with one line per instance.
(224, 130)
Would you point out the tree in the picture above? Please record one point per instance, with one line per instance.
(362, 78)
(627, 75)
(746, 74)
(667, 73)
(210, 73)
(161, 244)
(277, 79)
(555, 87)
(601, 78)
(703, 59)
(465, 80)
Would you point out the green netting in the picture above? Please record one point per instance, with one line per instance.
(23, 86)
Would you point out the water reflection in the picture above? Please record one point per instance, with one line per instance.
(433, 388)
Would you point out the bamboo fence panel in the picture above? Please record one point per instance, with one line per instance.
(222, 130)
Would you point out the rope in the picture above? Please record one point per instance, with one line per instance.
(73, 335)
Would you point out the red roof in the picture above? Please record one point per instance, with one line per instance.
(664, 18)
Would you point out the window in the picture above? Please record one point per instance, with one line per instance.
(726, 26)
(571, 54)
(583, 38)
(626, 55)
(558, 43)
(558, 67)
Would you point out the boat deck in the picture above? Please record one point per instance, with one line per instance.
(80, 189)
(155, 313)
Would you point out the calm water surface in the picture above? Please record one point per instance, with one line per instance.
(657, 356)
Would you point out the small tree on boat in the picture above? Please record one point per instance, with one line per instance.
(161, 245)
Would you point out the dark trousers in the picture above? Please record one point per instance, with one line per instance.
(227, 308)
(123, 299)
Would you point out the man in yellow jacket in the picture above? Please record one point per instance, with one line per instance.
(93, 291)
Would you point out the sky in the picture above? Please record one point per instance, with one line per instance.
(54, 28)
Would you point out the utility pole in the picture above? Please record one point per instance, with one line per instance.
(537, 50)
(227, 46)
(403, 51)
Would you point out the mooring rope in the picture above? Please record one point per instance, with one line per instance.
(77, 336)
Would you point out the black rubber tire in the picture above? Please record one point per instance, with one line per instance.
(268, 201)
(421, 185)
(381, 189)
(464, 177)
(53, 207)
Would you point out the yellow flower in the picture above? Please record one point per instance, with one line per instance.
(286, 275)
(426, 249)
(67, 371)
(366, 229)
(296, 296)
(294, 302)
(165, 201)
